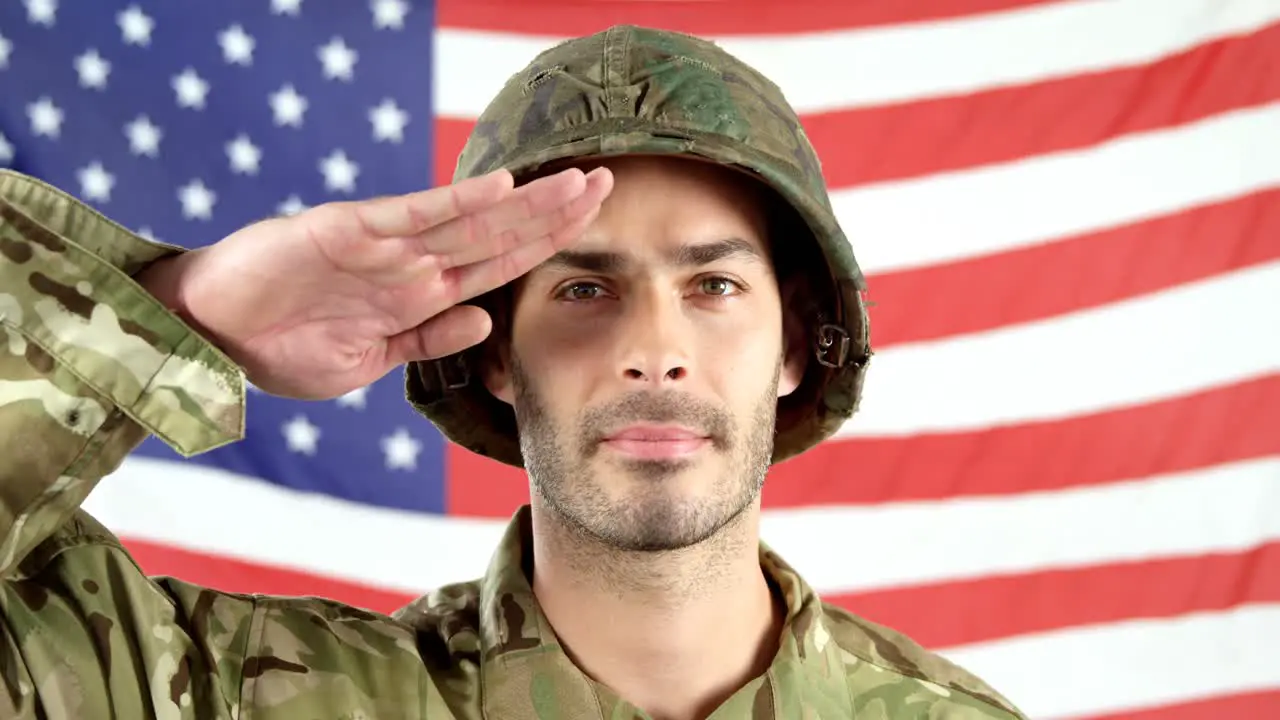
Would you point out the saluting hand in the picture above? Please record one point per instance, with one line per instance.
(329, 300)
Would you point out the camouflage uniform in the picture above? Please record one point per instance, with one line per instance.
(90, 363)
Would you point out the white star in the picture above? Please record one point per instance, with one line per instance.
(401, 450)
(339, 172)
(251, 387)
(191, 89)
(301, 435)
(292, 206)
(244, 156)
(95, 182)
(285, 7)
(355, 398)
(135, 26)
(144, 138)
(46, 118)
(337, 58)
(42, 12)
(145, 232)
(6, 150)
(389, 13)
(388, 121)
(237, 45)
(6, 48)
(288, 106)
(197, 200)
(93, 70)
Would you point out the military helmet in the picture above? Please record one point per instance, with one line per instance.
(630, 90)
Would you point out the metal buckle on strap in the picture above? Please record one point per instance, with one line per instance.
(443, 373)
(832, 340)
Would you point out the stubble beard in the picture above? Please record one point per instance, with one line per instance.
(559, 461)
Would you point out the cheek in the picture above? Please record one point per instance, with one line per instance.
(557, 344)
(558, 360)
(739, 352)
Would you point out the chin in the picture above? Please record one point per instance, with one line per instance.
(672, 522)
(668, 509)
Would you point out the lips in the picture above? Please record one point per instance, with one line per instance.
(656, 433)
(656, 441)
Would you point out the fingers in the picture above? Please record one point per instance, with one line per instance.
(414, 213)
(469, 281)
(530, 212)
(452, 331)
(554, 213)
(597, 186)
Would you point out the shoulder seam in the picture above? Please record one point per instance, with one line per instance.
(56, 546)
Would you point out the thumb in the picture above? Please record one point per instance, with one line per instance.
(452, 331)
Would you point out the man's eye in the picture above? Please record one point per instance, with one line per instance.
(718, 286)
(581, 291)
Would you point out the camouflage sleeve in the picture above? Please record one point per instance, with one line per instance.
(89, 364)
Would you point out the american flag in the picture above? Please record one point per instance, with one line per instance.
(1066, 475)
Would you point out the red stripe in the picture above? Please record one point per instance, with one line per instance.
(952, 133)
(975, 611)
(944, 134)
(1042, 281)
(565, 18)
(1236, 422)
(989, 608)
(1248, 706)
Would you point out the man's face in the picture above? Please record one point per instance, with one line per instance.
(646, 361)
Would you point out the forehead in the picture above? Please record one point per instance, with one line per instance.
(660, 202)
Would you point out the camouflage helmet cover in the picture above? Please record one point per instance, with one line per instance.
(638, 91)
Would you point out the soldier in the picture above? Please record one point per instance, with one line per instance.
(635, 289)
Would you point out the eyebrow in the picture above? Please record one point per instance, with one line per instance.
(695, 255)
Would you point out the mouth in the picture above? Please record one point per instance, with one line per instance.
(656, 442)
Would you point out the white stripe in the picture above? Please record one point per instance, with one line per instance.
(1192, 337)
(1220, 509)
(1227, 508)
(1124, 667)
(985, 210)
(309, 532)
(859, 68)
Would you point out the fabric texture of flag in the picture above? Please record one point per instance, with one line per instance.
(1066, 472)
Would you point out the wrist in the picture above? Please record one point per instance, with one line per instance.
(164, 280)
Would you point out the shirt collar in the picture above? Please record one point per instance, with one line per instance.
(526, 673)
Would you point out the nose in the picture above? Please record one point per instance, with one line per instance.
(655, 343)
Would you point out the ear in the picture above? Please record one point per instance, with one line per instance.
(497, 376)
(793, 364)
(795, 345)
(495, 369)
